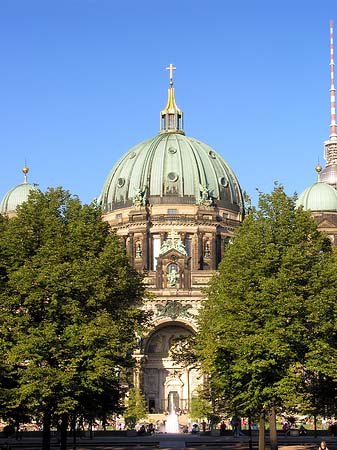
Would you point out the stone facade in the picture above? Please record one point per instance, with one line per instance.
(178, 248)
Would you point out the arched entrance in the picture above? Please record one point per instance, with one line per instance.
(163, 381)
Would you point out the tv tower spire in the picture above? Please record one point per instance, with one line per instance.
(333, 133)
(329, 174)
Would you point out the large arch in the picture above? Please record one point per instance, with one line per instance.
(164, 381)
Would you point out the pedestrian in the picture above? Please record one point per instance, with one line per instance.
(235, 426)
(322, 446)
(222, 428)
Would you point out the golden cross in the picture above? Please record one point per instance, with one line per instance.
(171, 68)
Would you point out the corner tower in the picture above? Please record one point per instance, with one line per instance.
(175, 203)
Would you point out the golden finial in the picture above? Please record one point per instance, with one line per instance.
(25, 170)
(318, 168)
(171, 68)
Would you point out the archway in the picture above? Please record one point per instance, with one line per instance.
(162, 376)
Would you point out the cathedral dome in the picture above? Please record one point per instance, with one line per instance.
(17, 195)
(318, 197)
(171, 168)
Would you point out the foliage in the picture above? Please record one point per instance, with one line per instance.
(200, 408)
(183, 353)
(136, 408)
(269, 319)
(69, 307)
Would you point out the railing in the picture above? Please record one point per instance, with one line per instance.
(181, 408)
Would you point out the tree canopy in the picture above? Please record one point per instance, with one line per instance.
(136, 408)
(69, 308)
(269, 320)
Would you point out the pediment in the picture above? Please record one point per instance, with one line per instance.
(325, 223)
(172, 252)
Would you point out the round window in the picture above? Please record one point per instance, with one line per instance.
(223, 181)
(172, 176)
(120, 182)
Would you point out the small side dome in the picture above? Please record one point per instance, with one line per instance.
(318, 197)
(17, 195)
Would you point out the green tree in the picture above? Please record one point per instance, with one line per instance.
(200, 408)
(136, 408)
(268, 311)
(69, 308)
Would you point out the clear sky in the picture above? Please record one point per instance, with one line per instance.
(82, 81)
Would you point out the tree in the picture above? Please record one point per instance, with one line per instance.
(261, 322)
(69, 308)
(200, 408)
(136, 408)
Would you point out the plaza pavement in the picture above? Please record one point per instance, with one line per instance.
(167, 442)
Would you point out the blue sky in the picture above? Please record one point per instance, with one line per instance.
(82, 81)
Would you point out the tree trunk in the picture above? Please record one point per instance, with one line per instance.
(63, 430)
(46, 430)
(250, 444)
(272, 429)
(18, 435)
(73, 426)
(262, 431)
(315, 426)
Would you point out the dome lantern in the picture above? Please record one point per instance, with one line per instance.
(171, 117)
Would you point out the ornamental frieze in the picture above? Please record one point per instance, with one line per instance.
(174, 309)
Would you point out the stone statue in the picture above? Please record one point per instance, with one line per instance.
(204, 198)
(172, 276)
(173, 241)
(138, 250)
(139, 198)
(207, 251)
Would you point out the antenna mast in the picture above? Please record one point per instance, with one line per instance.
(333, 133)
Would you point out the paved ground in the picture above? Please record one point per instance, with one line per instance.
(168, 442)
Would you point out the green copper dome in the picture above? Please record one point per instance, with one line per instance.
(171, 168)
(318, 197)
(17, 195)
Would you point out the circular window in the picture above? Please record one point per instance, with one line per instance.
(132, 155)
(172, 176)
(223, 181)
(172, 150)
(212, 154)
(120, 182)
